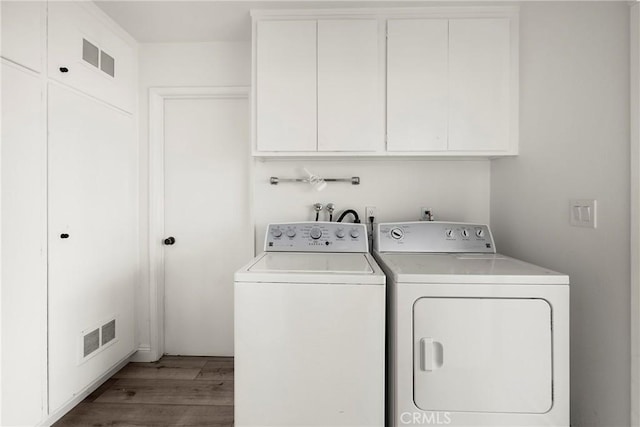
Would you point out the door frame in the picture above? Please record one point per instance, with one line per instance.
(634, 55)
(157, 98)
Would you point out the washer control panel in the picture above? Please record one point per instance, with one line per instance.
(316, 237)
(434, 237)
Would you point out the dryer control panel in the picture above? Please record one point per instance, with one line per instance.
(316, 236)
(434, 237)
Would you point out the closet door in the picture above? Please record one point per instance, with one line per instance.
(93, 248)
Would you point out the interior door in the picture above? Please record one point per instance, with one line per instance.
(482, 355)
(207, 154)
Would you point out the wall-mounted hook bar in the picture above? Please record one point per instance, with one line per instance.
(354, 180)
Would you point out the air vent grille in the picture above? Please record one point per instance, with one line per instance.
(108, 331)
(91, 342)
(97, 57)
(90, 53)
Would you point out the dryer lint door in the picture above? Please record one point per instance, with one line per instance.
(482, 355)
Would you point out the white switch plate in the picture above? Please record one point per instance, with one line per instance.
(583, 213)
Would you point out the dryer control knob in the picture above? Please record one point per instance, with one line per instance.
(315, 233)
(396, 233)
(355, 233)
(339, 233)
(291, 232)
(464, 233)
(276, 232)
(479, 232)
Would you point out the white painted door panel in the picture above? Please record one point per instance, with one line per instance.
(482, 355)
(24, 263)
(286, 110)
(479, 72)
(417, 84)
(349, 101)
(207, 211)
(22, 28)
(92, 273)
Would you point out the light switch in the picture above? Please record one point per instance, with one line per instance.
(583, 212)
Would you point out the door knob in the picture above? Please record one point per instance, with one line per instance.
(169, 241)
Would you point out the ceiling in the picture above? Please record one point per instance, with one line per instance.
(182, 21)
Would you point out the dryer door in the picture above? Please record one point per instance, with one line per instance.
(482, 355)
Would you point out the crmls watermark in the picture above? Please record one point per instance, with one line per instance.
(426, 418)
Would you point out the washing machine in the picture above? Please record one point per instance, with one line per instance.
(475, 338)
(310, 329)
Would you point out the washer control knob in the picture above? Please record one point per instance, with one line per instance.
(315, 233)
(339, 233)
(355, 233)
(291, 232)
(479, 232)
(276, 232)
(449, 233)
(464, 233)
(397, 233)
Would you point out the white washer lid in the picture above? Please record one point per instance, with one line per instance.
(467, 269)
(279, 267)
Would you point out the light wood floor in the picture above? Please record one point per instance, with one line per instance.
(175, 391)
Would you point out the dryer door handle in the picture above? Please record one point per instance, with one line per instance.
(431, 354)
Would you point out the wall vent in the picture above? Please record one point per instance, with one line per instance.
(107, 63)
(96, 339)
(90, 52)
(97, 57)
(91, 342)
(108, 332)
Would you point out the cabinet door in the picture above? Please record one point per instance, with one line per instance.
(350, 117)
(97, 61)
(93, 248)
(417, 84)
(24, 244)
(479, 72)
(286, 86)
(23, 24)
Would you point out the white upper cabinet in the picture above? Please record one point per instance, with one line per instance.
(286, 101)
(85, 53)
(417, 84)
(479, 85)
(350, 115)
(318, 86)
(386, 82)
(22, 32)
(452, 86)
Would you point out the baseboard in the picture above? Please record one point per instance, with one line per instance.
(144, 354)
(52, 418)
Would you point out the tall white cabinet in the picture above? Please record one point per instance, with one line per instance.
(69, 205)
(92, 240)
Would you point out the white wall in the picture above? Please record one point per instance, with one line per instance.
(178, 65)
(574, 143)
(455, 190)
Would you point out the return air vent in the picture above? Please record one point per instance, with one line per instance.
(108, 331)
(91, 342)
(97, 57)
(96, 339)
